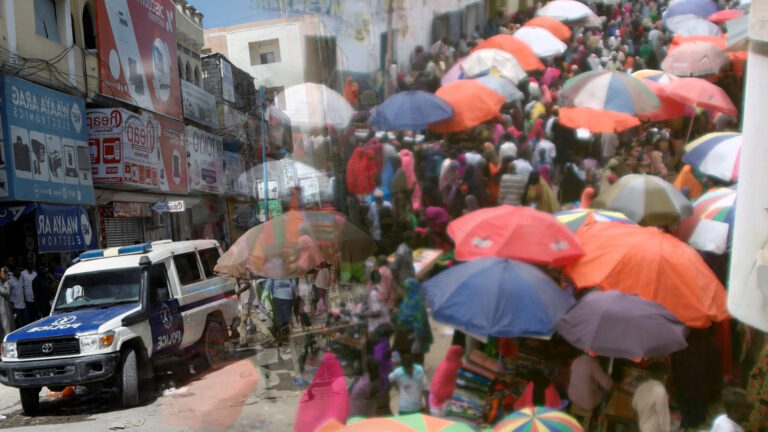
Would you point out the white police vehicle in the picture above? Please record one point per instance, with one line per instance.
(117, 313)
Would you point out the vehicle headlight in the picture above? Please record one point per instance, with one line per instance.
(9, 350)
(92, 343)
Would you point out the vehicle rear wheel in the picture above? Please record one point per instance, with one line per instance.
(30, 400)
(212, 343)
(129, 379)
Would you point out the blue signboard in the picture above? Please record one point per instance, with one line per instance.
(63, 229)
(44, 145)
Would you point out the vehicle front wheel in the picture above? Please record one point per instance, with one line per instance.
(30, 400)
(211, 345)
(129, 379)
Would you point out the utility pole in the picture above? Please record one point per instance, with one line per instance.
(264, 154)
(388, 55)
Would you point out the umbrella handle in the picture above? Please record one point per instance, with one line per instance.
(690, 125)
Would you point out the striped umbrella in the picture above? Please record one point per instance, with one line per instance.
(646, 199)
(538, 419)
(502, 86)
(654, 75)
(613, 91)
(576, 218)
(716, 154)
(709, 228)
(404, 423)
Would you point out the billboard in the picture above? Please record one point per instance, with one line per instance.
(43, 145)
(199, 105)
(63, 229)
(205, 155)
(142, 151)
(137, 45)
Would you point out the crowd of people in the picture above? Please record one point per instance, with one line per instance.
(26, 292)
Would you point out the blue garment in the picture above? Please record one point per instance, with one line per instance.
(281, 288)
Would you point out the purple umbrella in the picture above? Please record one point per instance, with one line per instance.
(614, 324)
(454, 73)
(702, 8)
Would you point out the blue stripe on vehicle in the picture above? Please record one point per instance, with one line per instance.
(205, 301)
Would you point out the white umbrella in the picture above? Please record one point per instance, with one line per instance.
(565, 10)
(542, 41)
(482, 61)
(692, 25)
(311, 105)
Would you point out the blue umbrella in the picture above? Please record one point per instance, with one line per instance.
(497, 297)
(702, 8)
(410, 110)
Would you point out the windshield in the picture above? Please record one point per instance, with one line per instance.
(99, 289)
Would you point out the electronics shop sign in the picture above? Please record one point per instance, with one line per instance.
(63, 229)
(43, 145)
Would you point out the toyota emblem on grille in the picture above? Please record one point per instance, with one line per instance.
(47, 347)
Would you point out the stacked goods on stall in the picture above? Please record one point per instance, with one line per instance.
(475, 380)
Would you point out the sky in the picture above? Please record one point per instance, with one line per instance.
(216, 14)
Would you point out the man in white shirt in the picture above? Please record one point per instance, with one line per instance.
(17, 298)
(550, 152)
(651, 402)
(27, 277)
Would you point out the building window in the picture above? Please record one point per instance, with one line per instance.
(188, 72)
(89, 31)
(197, 76)
(45, 20)
(264, 52)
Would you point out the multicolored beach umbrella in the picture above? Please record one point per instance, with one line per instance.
(606, 90)
(709, 229)
(576, 218)
(538, 419)
(716, 154)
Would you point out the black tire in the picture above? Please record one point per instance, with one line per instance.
(30, 400)
(129, 379)
(211, 345)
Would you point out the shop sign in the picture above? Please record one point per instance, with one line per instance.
(63, 229)
(130, 209)
(199, 105)
(275, 209)
(10, 214)
(137, 45)
(43, 145)
(205, 156)
(273, 191)
(227, 83)
(239, 181)
(169, 206)
(143, 151)
(310, 191)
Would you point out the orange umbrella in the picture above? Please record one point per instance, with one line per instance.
(718, 41)
(522, 52)
(595, 120)
(560, 30)
(653, 265)
(472, 102)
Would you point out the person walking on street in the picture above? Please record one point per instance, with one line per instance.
(28, 277)
(412, 386)
(283, 291)
(41, 289)
(17, 297)
(6, 308)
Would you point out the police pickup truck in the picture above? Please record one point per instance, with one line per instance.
(117, 312)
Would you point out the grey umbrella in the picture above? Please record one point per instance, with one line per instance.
(614, 324)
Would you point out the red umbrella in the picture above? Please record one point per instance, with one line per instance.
(702, 94)
(720, 17)
(472, 102)
(595, 120)
(670, 108)
(520, 233)
(718, 41)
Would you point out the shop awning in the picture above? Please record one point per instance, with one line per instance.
(104, 196)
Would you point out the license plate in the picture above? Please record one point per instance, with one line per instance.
(46, 372)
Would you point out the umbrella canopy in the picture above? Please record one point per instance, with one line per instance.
(520, 233)
(312, 105)
(473, 103)
(606, 90)
(410, 110)
(670, 108)
(454, 73)
(718, 41)
(702, 94)
(577, 218)
(565, 10)
(695, 59)
(541, 41)
(614, 324)
(716, 154)
(502, 86)
(653, 265)
(700, 8)
(654, 75)
(538, 419)
(493, 60)
(646, 199)
(725, 15)
(404, 423)
(560, 30)
(691, 25)
(522, 52)
(293, 243)
(497, 297)
(709, 228)
(595, 120)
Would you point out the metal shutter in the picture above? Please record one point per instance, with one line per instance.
(124, 231)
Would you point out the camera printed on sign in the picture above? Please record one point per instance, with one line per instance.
(49, 158)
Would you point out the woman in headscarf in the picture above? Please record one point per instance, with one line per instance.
(444, 381)
(409, 167)
(367, 397)
(437, 222)
(449, 181)
(539, 195)
(492, 159)
(473, 180)
(325, 399)
(413, 335)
